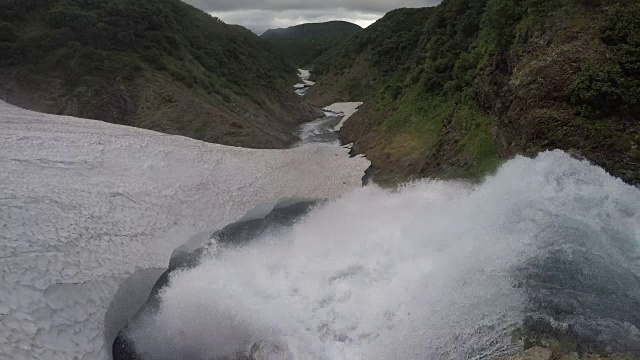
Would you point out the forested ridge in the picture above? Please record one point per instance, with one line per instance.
(159, 64)
(453, 90)
(306, 42)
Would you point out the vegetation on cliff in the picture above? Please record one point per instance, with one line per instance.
(304, 43)
(158, 64)
(612, 88)
(452, 90)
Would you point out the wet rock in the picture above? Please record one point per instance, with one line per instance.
(261, 350)
(572, 356)
(536, 353)
(233, 235)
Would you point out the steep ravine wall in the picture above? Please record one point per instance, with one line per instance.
(447, 96)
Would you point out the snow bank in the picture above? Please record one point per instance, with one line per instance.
(304, 74)
(85, 204)
(346, 108)
(303, 87)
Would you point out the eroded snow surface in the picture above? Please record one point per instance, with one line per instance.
(85, 204)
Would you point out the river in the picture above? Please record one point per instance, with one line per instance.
(323, 130)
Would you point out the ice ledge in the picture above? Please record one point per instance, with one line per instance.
(85, 204)
(348, 109)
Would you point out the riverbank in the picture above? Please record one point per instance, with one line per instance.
(324, 130)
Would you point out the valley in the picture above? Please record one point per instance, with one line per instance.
(457, 181)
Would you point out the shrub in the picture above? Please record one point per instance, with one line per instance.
(597, 90)
(614, 88)
(9, 54)
(7, 33)
(499, 22)
(117, 41)
(621, 31)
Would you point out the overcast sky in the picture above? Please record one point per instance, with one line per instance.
(260, 15)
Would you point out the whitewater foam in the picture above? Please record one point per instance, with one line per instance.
(428, 271)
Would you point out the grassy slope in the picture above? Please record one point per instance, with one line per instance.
(159, 64)
(452, 90)
(304, 43)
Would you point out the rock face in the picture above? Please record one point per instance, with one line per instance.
(234, 235)
(540, 353)
(259, 351)
(529, 97)
(84, 205)
(536, 353)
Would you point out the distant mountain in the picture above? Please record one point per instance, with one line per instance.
(156, 64)
(304, 43)
(453, 90)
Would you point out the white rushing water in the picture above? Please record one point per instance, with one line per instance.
(303, 87)
(325, 130)
(425, 272)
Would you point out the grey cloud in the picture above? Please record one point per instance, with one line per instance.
(262, 20)
(373, 6)
(260, 15)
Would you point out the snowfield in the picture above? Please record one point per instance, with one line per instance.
(346, 109)
(86, 204)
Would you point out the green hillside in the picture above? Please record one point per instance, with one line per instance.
(453, 90)
(304, 43)
(158, 64)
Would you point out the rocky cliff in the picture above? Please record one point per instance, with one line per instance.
(453, 90)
